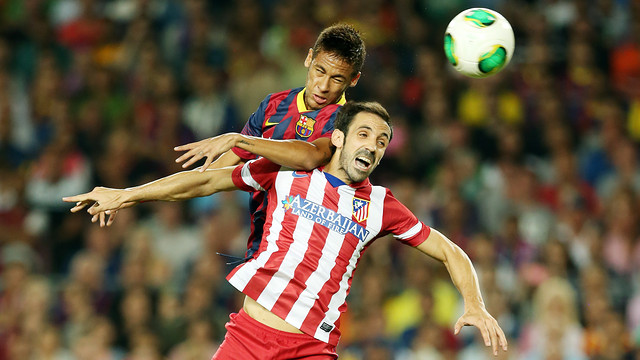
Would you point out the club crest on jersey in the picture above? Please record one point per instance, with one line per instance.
(360, 209)
(304, 126)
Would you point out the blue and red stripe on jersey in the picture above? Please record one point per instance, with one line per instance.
(283, 116)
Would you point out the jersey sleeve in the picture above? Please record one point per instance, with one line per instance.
(255, 175)
(402, 223)
(254, 127)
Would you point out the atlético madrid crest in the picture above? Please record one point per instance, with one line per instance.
(304, 126)
(360, 209)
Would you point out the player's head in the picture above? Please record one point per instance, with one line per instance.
(334, 64)
(361, 136)
(344, 41)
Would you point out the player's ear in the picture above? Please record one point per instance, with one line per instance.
(307, 61)
(355, 79)
(337, 138)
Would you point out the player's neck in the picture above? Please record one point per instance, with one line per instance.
(334, 168)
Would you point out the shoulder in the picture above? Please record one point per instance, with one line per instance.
(272, 101)
(283, 94)
(326, 116)
(330, 110)
(262, 165)
(386, 197)
(275, 100)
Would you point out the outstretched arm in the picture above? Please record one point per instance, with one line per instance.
(294, 154)
(465, 279)
(179, 186)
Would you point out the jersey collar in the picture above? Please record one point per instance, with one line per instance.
(335, 182)
(302, 107)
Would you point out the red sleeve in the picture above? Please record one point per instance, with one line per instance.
(402, 223)
(255, 175)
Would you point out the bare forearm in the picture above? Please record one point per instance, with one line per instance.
(463, 275)
(229, 158)
(182, 185)
(458, 265)
(294, 154)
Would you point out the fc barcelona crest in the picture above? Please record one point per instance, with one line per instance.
(304, 126)
(360, 209)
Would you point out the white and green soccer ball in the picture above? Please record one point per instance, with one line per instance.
(479, 42)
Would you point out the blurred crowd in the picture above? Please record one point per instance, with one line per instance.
(534, 172)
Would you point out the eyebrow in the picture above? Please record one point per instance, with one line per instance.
(333, 76)
(371, 129)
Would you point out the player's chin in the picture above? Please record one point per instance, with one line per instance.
(358, 175)
(314, 106)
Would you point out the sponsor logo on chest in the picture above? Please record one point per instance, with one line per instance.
(323, 216)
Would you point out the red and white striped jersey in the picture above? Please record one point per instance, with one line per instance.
(316, 229)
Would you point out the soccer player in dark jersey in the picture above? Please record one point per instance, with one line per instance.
(305, 114)
(318, 224)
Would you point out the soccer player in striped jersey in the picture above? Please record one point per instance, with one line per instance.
(318, 224)
(305, 114)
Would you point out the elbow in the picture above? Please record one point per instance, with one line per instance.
(453, 253)
(308, 164)
(313, 161)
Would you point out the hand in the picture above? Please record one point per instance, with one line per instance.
(210, 148)
(101, 216)
(488, 326)
(112, 215)
(101, 201)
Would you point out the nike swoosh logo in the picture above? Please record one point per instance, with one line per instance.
(296, 174)
(269, 123)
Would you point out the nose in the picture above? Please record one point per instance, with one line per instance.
(323, 84)
(371, 146)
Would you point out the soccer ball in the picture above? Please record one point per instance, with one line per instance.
(479, 42)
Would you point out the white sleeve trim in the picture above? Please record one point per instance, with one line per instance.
(411, 232)
(245, 173)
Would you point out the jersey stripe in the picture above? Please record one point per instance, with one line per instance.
(246, 272)
(312, 256)
(376, 212)
(374, 224)
(319, 278)
(341, 272)
(297, 250)
(283, 241)
(281, 110)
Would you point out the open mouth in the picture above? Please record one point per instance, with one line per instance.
(363, 163)
(319, 99)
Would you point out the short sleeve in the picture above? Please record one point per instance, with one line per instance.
(402, 223)
(255, 175)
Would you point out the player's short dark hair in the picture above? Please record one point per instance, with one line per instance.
(348, 112)
(345, 41)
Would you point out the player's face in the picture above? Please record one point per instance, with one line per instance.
(364, 146)
(328, 78)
